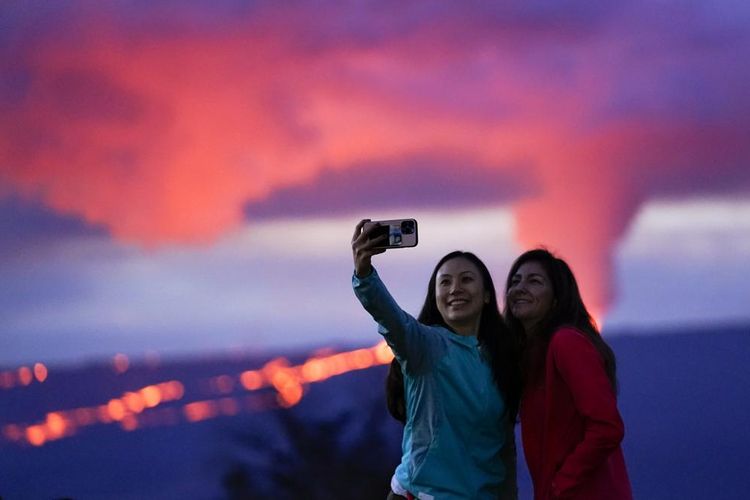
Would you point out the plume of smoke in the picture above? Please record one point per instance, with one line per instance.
(164, 131)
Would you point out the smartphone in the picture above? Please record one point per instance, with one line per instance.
(402, 233)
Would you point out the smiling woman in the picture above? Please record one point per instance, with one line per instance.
(460, 381)
(530, 296)
(570, 423)
(460, 294)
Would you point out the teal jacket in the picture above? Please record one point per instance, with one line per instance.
(455, 421)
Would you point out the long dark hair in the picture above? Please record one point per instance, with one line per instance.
(494, 336)
(568, 309)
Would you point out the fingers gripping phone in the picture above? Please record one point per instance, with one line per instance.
(402, 233)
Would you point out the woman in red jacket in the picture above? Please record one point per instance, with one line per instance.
(570, 425)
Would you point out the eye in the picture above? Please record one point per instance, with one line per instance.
(444, 282)
(515, 280)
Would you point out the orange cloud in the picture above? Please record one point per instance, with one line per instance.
(165, 135)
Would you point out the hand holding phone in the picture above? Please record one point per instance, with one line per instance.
(375, 237)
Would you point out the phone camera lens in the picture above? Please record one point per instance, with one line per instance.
(407, 227)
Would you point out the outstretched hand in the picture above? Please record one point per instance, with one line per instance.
(364, 247)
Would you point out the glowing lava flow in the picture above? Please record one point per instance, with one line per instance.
(64, 423)
(139, 408)
(23, 376)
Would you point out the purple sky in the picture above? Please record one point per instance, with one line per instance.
(162, 166)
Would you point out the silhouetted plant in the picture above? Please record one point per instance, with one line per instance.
(316, 463)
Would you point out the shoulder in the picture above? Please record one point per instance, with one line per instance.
(570, 340)
(439, 333)
(566, 335)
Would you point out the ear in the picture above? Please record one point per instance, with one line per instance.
(486, 297)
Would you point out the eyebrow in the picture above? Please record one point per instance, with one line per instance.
(540, 275)
(462, 272)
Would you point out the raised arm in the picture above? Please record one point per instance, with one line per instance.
(411, 342)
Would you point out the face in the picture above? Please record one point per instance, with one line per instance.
(530, 296)
(460, 295)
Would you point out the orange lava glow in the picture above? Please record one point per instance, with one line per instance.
(223, 384)
(123, 410)
(25, 376)
(151, 396)
(84, 416)
(251, 380)
(40, 372)
(200, 410)
(229, 406)
(134, 402)
(120, 362)
(140, 408)
(56, 425)
(35, 435)
(116, 409)
(12, 432)
(129, 423)
(7, 380)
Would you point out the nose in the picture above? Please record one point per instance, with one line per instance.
(517, 288)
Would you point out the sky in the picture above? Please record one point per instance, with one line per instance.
(183, 178)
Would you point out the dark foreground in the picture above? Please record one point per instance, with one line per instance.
(685, 398)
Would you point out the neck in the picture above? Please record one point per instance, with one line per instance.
(466, 329)
(530, 327)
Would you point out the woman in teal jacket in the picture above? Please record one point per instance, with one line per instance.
(461, 378)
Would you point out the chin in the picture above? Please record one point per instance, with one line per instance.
(521, 317)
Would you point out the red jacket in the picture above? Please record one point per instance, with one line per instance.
(571, 428)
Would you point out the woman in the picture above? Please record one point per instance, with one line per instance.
(460, 378)
(570, 425)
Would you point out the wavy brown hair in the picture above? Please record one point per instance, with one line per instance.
(568, 309)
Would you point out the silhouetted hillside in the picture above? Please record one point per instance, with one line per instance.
(685, 398)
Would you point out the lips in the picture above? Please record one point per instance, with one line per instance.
(519, 304)
(520, 299)
(457, 302)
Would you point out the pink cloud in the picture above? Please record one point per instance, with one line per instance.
(166, 131)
